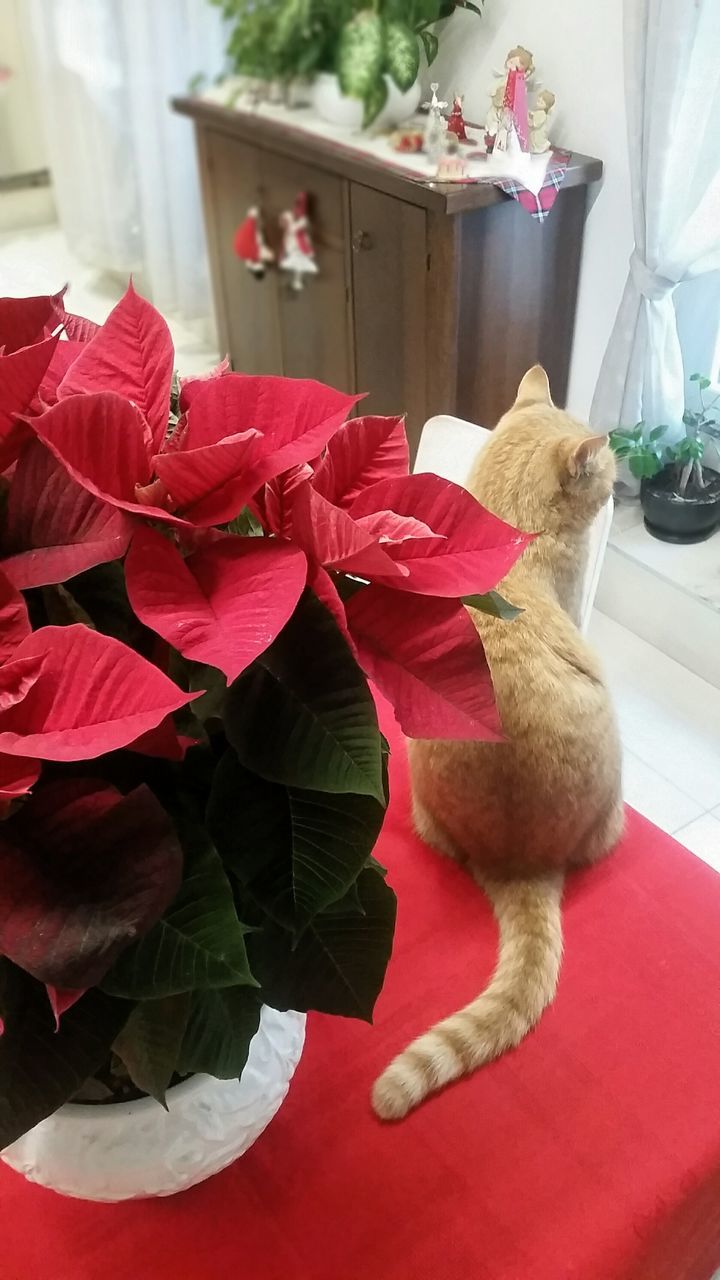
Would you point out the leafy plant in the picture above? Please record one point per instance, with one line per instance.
(647, 454)
(284, 40)
(197, 577)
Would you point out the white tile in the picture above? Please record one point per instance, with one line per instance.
(655, 797)
(39, 260)
(670, 618)
(703, 838)
(668, 717)
(695, 568)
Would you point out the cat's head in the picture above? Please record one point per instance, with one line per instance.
(542, 469)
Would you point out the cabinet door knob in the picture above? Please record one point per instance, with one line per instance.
(361, 240)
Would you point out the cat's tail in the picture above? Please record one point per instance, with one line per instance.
(523, 984)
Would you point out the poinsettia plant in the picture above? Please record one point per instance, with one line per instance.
(197, 578)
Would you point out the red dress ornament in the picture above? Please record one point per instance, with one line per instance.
(456, 122)
(249, 244)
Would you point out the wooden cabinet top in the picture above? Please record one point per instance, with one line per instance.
(324, 153)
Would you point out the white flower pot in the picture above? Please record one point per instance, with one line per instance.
(126, 1151)
(347, 113)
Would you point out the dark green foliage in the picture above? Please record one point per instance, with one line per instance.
(286, 40)
(647, 454)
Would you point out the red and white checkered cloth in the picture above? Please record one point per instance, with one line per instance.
(540, 205)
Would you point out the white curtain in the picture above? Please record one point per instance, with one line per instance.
(123, 164)
(672, 85)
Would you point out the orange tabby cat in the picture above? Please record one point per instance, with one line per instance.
(521, 813)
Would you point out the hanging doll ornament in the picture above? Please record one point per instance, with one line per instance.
(298, 251)
(250, 246)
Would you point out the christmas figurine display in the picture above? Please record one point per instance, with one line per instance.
(456, 122)
(514, 123)
(298, 251)
(539, 116)
(494, 117)
(249, 244)
(436, 126)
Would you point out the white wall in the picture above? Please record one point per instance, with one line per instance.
(22, 145)
(577, 45)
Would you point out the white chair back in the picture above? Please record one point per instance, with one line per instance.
(449, 447)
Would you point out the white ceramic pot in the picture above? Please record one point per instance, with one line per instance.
(347, 113)
(127, 1151)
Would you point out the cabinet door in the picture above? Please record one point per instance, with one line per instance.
(245, 307)
(314, 322)
(389, 270)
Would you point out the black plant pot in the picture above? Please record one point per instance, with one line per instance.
(675, 517)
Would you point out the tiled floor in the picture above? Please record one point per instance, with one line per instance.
(670, 726)
(669, 718)
(38, 260)
(695, 569)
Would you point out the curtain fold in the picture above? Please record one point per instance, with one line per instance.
(672, 84)
(123, 164)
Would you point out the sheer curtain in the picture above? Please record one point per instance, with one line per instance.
(668, 324)
(123, 164)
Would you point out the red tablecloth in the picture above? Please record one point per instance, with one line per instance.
(592, 1153)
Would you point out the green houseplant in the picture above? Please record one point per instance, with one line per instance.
(286, 40)
(197, 578)
(679, 492)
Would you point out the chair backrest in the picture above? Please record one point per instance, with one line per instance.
(449, 446)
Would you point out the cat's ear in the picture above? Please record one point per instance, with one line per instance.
(582, 456)
(534, 387)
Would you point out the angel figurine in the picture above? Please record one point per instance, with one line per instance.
(538, 117)
(436, 125)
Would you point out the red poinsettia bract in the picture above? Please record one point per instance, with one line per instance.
(108, 460)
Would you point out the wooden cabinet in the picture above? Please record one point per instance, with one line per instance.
(430, 298)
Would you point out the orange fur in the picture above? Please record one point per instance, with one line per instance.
(523, 812)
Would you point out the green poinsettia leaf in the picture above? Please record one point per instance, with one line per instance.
(42, 1067)
(376, 866)
(303, 714)
(350, 904)
(210, 704)
(492, 603)
(402, 54)
(360, 54)
(219, 1030)
(294, 851)
(149, 1043)
(198, 943)
(338, 964)
(431, 44)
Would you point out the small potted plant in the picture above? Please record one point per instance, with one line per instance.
(679, 492)
(364, 59)
(197, 578)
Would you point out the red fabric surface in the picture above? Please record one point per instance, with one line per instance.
(591, 1153)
